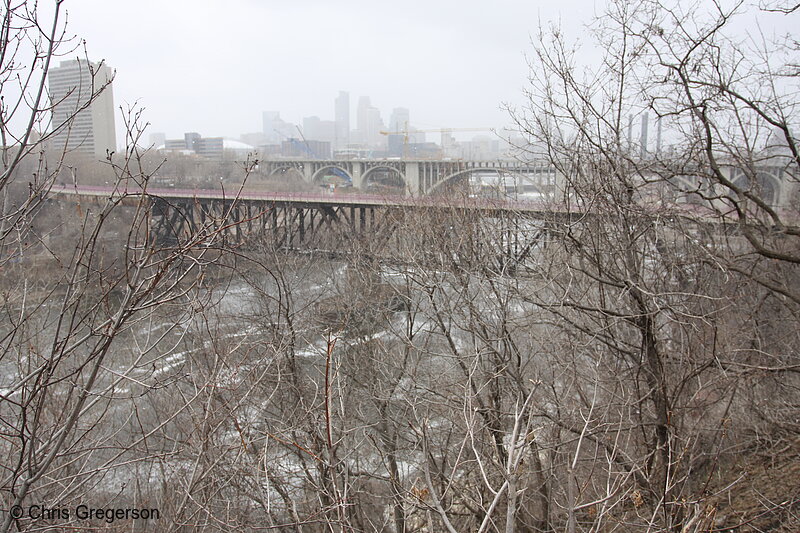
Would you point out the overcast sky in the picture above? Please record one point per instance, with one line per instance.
(214, 66)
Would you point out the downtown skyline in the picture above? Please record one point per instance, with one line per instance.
(194, 67)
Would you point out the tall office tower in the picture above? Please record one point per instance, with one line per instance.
(83, 120)
(319, 130)
(342, 118)
(270, 121)
(374, 126)
(399, 120)
(369, 123)
(361, 119)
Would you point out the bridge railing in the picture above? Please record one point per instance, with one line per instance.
(311, 198)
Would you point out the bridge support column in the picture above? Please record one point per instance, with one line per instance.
(357, 174)
(412, 179)
(308, 171)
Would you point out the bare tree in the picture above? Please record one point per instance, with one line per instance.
(663, 250)
(93, 297)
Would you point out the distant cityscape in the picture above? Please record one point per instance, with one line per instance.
(319, 138)
(92, 128)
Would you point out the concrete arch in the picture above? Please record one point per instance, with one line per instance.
(767, 185)
(497, 170)
(283, 169)
(366, 176)
(320, 172)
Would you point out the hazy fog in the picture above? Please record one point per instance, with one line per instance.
(212, 67)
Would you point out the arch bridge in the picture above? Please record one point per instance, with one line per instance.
(418, 177)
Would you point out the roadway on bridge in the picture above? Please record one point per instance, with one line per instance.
(528, 204)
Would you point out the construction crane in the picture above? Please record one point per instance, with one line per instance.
(305, 142)
(297, 142)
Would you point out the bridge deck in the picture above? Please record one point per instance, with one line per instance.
(529, 206)
(533, 205)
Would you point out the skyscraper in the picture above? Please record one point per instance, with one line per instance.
(399, 120)
(83, 115)
(342, 119)
(374, 127)
(319, 130)
(361, 120)
(369, 122)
